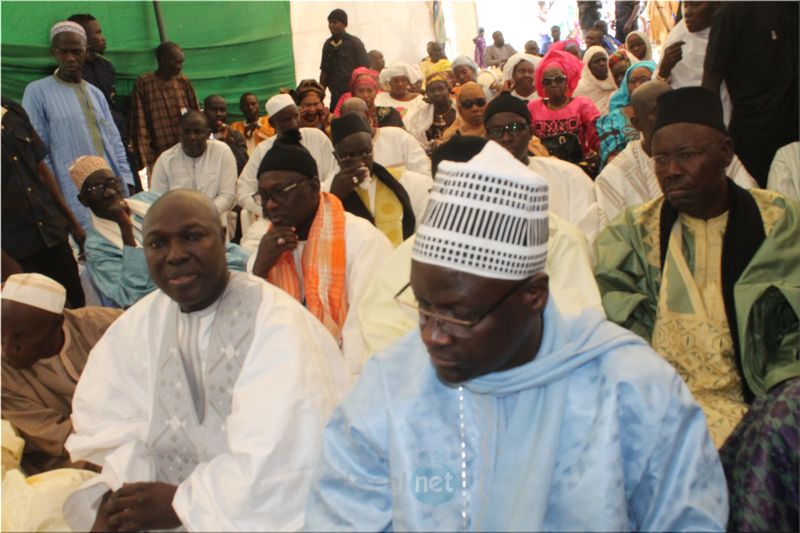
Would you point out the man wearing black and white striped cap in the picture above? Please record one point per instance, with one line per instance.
(500, 413)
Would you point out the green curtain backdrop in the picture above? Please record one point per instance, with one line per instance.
(230, 47)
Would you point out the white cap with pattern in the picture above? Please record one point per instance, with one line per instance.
(35, 290)
(486, 217)
(277, 103)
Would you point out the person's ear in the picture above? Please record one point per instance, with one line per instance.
(315, 185)
(727, 150)
(537, 292)
(82, 200)
(635, 122)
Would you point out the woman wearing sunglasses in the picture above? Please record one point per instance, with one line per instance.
(564, 123)
(471, 107)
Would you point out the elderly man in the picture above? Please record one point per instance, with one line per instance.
(630, 178)
(394, 148)
(500, 413)
(311, 248)
(45, 348)
(342, 53)
(384, 318)
(283, 116)
(710, 272)
(224, 401)
(369, 190)
(216, 111)
(72, 117)
(498, 52)
(571, 192)
(158, 101)
(198, 163)
(114, 245)
(254, 128)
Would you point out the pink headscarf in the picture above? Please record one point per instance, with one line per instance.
(562, 45)
(567, 62)
(363, 76)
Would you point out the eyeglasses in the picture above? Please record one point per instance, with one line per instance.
(349, 158)
(467, 104)
(280, 196)
(681, 157)
(558, 80)
(513, 129)
(458, 327)
(98, 189)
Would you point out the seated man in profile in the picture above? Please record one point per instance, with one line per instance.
(499, 413)
(45, 348)
(205, 402)
(709, 273)
(307, 245)
(114, 249)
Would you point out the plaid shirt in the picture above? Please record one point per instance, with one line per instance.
(155, 114)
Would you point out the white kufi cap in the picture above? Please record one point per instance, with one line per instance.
(35, 290)
(278, 103)
(486, 217)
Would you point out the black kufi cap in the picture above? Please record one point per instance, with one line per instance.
(348, 125)
(338, 14)
(507, 103)
(695, 105)
(288, 154)
(460, 148)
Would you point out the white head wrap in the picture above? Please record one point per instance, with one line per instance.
(486, 217)
(399, 68)
(464, 60)
(278, 103)
(67, 25)
(35, 290)
(513, 61)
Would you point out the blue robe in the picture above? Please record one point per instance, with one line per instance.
(596, 433)
(121, 275)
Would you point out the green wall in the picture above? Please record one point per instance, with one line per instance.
(230, 47)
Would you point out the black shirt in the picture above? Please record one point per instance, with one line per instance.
(101, 74)
(339, 61)
(753, 45)
(31, 220)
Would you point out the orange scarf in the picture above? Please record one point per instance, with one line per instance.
(324, 266)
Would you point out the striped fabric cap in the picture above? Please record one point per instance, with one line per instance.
(486, 217)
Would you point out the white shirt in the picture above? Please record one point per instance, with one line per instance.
(571, 193)
(366, 248)
(630, 179)
(385, 99)
(395, 148)
(291, 379)
(784, 174)
(688, 72)
(213, 173)
(316, 142)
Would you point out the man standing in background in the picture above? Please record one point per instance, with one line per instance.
(341, 54)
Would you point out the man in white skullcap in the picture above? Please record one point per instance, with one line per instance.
(45, 348)
(500, 413)
(72, 117)
(283, 115)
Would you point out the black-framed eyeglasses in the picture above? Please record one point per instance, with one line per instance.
(279, 196)
(513, 129)
(349, 158)
(98, 189)
(459, 327)
(551, 81)
(467, 104)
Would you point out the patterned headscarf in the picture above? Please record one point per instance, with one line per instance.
(622, 97)
(363, 76)
(568, 63)
(616, 57)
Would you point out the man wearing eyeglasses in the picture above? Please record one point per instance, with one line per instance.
(629, 178)
(307, 245)
(500, 413)
(114, 251)
(571, 191)
(709, 273)
(391, 202)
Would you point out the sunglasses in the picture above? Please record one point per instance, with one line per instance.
(554, 81)
(467, 104)
(513, 129)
